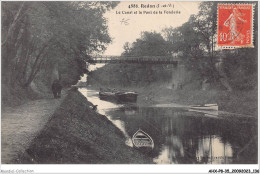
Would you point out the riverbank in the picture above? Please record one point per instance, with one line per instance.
(239, 102)
(76, 134)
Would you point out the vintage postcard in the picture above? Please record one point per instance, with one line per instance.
(164, 83)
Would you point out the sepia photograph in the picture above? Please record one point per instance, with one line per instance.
(164, 83)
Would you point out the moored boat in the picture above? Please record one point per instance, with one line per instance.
(127, 96)
(120, 96)
(107, 95)
(142, 140)
(213, 107)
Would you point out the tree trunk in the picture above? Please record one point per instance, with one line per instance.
(37, 63)
(17, 17)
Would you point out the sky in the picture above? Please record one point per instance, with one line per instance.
(124, 27)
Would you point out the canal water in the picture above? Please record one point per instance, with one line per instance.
(182, 136)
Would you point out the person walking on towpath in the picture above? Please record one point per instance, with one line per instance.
(56, 89)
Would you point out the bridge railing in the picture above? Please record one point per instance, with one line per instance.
(134, 59)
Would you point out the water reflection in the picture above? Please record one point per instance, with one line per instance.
(103, 108)
(212, 150)
(181, 136)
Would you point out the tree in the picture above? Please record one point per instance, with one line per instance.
(149, 44)
(205, 24)
(50, 33)
(196, 40)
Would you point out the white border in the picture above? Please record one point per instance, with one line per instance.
(126, 168)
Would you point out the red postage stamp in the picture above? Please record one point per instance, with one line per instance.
(235, 25)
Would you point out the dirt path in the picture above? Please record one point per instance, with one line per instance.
(22, 123)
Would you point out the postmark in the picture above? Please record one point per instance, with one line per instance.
(235, 25)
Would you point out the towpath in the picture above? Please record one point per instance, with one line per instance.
(19, 125)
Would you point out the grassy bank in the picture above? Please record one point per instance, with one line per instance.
(75, 134)
(240, 102)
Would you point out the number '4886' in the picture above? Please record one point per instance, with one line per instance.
(133, 6)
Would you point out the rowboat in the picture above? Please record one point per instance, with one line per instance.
(211, 107)
(207, 113)
(127, 96)
(142, 140)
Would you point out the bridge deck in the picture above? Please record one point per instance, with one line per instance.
(145, 59)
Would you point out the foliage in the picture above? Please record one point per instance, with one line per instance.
(195, 44)
(149, 44)
(51, 35)
(196, 40)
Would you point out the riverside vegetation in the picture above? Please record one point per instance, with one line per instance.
(44, 41)
(230, 75)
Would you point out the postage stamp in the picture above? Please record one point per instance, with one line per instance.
(235, 25)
